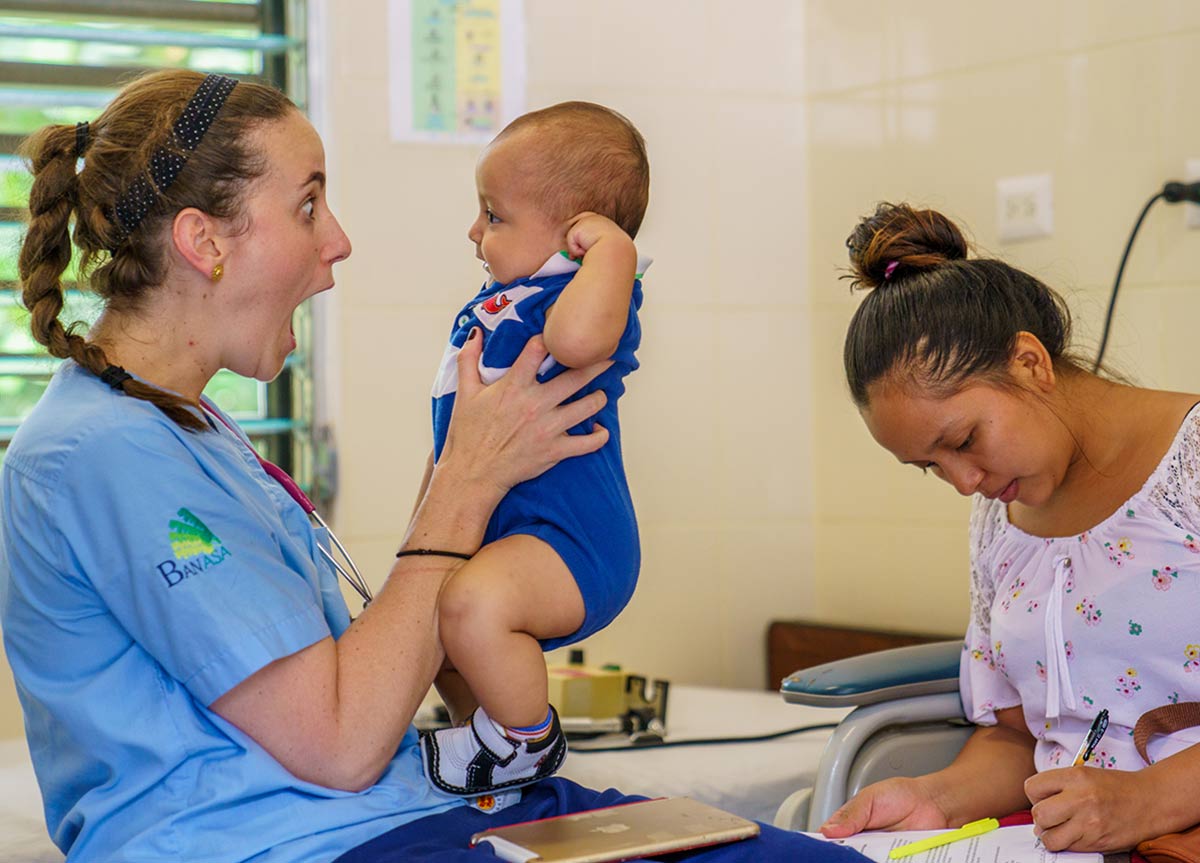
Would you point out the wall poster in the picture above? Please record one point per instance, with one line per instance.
(456, 67)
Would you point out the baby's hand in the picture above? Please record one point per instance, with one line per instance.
(587, 229)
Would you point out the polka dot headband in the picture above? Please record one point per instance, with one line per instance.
(166, 163)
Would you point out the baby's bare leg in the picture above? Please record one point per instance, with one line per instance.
(491, 614)
(456, 695)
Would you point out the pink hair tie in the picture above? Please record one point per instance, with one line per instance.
(889, 269)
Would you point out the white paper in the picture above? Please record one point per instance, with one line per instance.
(1003, 845)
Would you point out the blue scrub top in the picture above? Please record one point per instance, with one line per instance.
(144, 572)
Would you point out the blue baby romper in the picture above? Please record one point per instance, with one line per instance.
(580, 507)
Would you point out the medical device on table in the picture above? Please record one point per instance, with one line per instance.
(607, 700)
(604, 705)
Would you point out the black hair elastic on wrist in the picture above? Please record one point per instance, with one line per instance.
(166, 162)
(115, 377)
(421, 552)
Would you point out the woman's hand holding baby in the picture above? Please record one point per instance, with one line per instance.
(516, 428)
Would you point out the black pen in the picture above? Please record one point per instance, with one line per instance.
(1099, 726)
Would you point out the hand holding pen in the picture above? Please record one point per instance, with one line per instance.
(1068, 804)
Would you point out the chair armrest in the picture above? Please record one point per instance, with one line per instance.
(901, 672)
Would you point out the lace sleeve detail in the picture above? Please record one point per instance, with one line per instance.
(985, 525)
(1177, 493)
(982, 681)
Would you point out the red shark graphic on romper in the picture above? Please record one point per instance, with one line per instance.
(494, 305)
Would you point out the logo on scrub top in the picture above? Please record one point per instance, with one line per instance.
(495, 305)
(194, 544)
(190, 536)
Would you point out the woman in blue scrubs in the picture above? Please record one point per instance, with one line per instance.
(192, 683)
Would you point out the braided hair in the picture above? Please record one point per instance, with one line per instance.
(123, 266)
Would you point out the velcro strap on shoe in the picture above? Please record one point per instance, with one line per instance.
(491, 738)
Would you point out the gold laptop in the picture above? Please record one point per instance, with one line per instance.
(617, 833)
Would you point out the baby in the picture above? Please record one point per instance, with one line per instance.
(562, 192)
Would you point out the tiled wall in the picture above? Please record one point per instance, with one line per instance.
(716, 424)
(932, 102)
(772, 126)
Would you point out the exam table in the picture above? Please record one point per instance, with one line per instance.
(750, 779)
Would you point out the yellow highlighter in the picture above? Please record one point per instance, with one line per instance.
(975, 828)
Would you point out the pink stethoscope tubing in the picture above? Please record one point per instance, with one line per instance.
(353, 577)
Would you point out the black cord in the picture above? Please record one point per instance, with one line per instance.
(1112, 301)
(704, 741)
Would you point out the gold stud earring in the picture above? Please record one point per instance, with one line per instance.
(217, 272)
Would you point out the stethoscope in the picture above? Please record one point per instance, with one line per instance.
(353, 577)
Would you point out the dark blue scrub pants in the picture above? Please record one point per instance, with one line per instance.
(444, 838)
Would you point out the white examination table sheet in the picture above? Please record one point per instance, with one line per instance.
(750, 779)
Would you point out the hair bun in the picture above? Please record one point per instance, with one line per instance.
(897, 240)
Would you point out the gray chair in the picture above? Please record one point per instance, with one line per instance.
(908, 720)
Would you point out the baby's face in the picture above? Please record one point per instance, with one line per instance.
(512, 236)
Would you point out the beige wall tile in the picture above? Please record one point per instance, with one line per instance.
(1180, 15)
(384, 433)
(704, 599)
(625, 43)
(669, 419)
(1090, 24)
(763, 414)
(757, 49)
(1112, 137)
(357, 46)
(1179, 126)
(1173, 333)
(855, 479)
(674, 627)
(1152, 336)
(757, 200)
(767, 570)
(932, 37)
(847, 45)
(896, 575)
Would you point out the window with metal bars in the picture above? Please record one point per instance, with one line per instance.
(61, 62)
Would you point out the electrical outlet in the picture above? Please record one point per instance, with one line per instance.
(1191, 212)
(1024, 207)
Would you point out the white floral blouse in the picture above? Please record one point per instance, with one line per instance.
(1107, 619)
